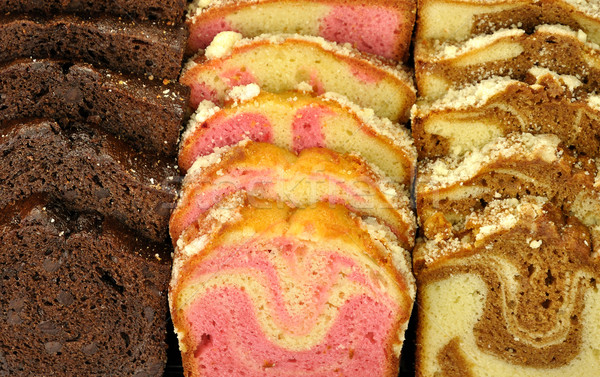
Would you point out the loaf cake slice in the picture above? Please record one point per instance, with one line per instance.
(149, 114)
(278, 63)
(378, 27)
(441, 66)
(469, 118)
(88, 170)
(261, 289)
(296, 121)
(79, 295)
(316, 174)
(169, 11)
(511, 293)
(119, 44)
(520, 164)
(458, 20)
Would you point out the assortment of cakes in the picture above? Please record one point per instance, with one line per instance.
(280, 229)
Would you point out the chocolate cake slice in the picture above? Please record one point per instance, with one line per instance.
(164, 10)
(116, 43)
(147, 113)
(79, 296)
(88, 169)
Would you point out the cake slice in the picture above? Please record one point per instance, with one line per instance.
(169, 11)
(317, 174)
(79, 296)
(88, 170)
(469, 118)
(457, 20)
(147, 113)
(510, 167)
(513, 292)
(441, 66)
(278, 63)
(296, 121)
(261, 289)
(379, 27)
(119, 44)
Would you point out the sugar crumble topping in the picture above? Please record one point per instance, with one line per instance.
(243, 93)
(214, 158)
(447, 50)
(206, 110)
(448, 171)
(222, 45)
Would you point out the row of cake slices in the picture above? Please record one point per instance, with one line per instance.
(293, 226)
(88, 138)
(507, 190)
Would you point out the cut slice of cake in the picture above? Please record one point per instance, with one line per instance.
(278, 63)
(147, 113)
(508, 52)
(170, 11)
(88, 170)
(261, 289)
(296, 121)
(520, 164)
(119, 44)
(514, 292)
(457, 20)
(315, 175)
(79, 295)
(378, 27)
(469, 118)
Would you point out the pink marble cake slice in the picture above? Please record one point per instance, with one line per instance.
(316, 174)
(278, 63)
(299, 120)
(260, 289)
(380, 27)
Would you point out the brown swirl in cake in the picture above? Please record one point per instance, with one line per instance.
(537, 266)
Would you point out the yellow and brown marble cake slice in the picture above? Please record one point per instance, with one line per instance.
(440, 65)
(513, 292)
(458, 20)
(471, 117)
(450, 188)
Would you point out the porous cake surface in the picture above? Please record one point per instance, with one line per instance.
(170, 11)
(440, 66)
(144, 112)
(315, 175)
(378, 27)
(507, 167)
(461, 19)
(296, 121)
(278, 63)
(273, 290)
(122, 45)
(89, 170)
(512, 292)
(79, 295)
(467, 119)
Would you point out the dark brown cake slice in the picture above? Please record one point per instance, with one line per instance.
(148, 113)
(79, 296)
(164, 10)
(119, 44)
(115, 43)
(89, 170)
